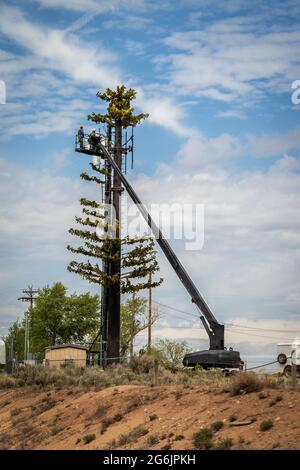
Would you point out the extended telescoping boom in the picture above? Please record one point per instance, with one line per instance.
(217, 356)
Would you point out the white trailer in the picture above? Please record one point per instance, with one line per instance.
(288, 354)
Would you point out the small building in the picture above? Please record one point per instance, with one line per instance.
(66, 354)
(2, 354)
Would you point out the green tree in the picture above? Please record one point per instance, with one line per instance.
(16, 335)
(134, 319)
(170, 352)
(57, 318)
(119, 108)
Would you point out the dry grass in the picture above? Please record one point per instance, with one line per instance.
(105, 424)
(139, 372)
(166, 447)
(245, 383)
(225, 444)
(132, 436)
(15, 411)
(99, 413)
(5, 441)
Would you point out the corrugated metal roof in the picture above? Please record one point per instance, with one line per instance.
(62, 346)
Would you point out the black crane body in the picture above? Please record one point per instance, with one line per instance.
(217, 355)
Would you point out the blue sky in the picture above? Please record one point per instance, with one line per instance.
(216, 80)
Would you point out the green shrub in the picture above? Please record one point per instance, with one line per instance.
(216, 426)
(179, 437)
(142, 364)
(266, 425)
(88, 438)
(153, 417)
(203, 439)
(140, 371)
(166, 447)
(105, 424)
(152, 440)
(139, 431)
(225, 444)
(233, 418)
(118, 417)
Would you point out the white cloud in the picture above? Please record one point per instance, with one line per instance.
(231, 58)
(38, 208)
(61, 52)
(249, 265)
(163, 111)
(94, 5)
(201, 151)
(265, 145)
(58, 65)
(60, 118)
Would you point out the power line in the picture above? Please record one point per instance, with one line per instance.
(261, 329)
(239, 332)
(178, 310)
(227, 324)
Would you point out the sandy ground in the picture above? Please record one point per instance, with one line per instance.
(168, 416)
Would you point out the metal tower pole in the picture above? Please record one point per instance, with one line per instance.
(113, 337)
(105, 291)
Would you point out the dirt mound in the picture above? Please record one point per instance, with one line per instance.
(144, 417)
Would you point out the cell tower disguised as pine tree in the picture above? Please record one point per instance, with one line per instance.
(136, 256)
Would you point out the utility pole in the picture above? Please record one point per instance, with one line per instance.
(150, 315)
(113, 337)
(29, 297)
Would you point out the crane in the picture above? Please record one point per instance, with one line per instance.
(217, 355)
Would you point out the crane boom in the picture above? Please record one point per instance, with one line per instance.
(213, 328)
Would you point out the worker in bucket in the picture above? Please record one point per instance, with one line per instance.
(80, 136)
(93, 139)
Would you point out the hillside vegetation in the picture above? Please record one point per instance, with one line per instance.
(122, 408)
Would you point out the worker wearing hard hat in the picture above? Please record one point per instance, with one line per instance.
(80, 136)
(93, 139)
